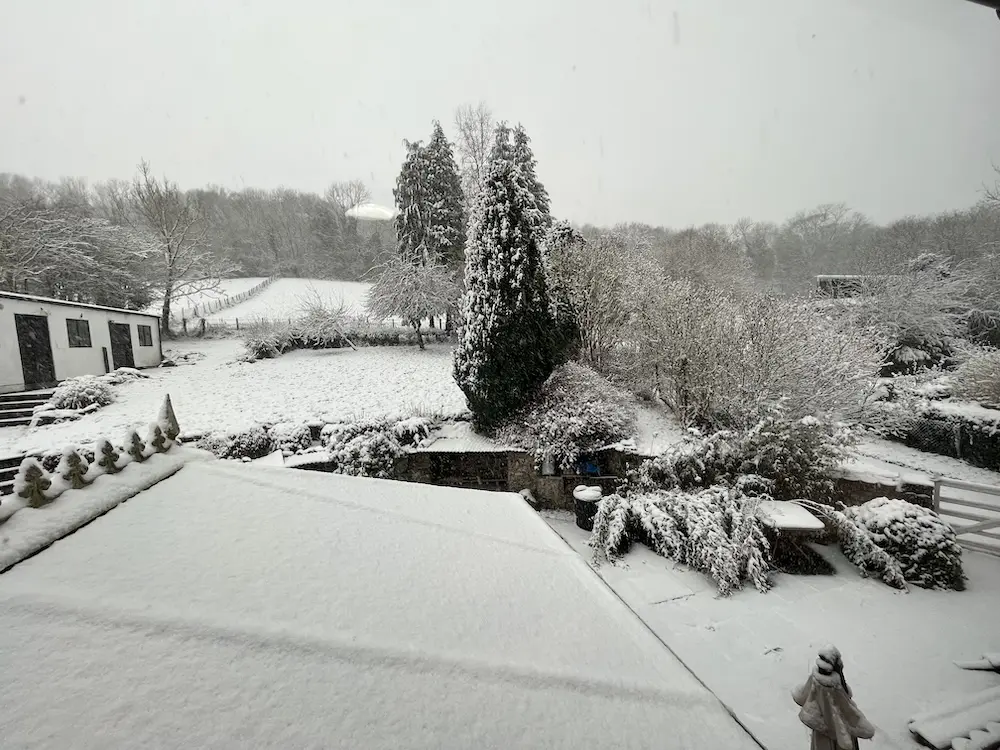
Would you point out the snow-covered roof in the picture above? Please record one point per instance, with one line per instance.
(459, 437)
(372, 211)
(67, 303)
(236, 605)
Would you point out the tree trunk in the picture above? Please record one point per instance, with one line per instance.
(431, 319)
(420, 336)
(165, 317)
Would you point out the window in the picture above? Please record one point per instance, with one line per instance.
(145, 335)
(78, 332)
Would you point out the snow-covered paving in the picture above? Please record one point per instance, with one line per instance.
(239, 606)
(284, 299)
(221, 393)
(752, 649)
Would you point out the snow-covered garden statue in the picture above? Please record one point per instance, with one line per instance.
(828, 708)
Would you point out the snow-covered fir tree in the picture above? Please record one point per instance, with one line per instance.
(430, 226)
(524, 158)
(505, 349)
(444, 214)
(413, 200)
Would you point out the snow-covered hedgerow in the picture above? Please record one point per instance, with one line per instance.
(714, 530)
(575, 412)
(925, 547)
(76, 393)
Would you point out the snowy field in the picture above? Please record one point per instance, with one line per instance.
(752, 649)
(284, 298)
(239, 606)
(226, 288)
(220, 393)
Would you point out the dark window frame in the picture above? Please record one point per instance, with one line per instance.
(148, 330)
(76, 338)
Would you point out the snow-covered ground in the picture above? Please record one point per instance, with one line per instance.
(220, 393)
(226, 288)
(284, 299)
(240, 606)
(752, 649)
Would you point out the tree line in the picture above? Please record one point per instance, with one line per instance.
(133, 243)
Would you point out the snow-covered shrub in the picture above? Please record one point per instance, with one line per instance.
(291, 436)
(369, 447)
(725, 362)
(370, 454)
(76, 393)
(925, 547)
(714, 530)
(979, 377)
(251, 442)
(575, 412)
(412, 431)
(265, 339)
(785, 459)
(859, 546)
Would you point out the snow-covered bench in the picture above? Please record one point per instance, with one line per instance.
(787, 517)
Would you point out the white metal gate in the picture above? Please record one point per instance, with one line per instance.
(973, 510)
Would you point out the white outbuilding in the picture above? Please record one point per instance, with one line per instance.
(44, 341)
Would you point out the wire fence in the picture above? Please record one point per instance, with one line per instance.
(212, 306)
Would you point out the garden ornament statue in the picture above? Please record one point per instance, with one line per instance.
(828, 708)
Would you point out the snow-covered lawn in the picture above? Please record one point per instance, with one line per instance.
(284, 299)
(240, 606)
(220, 393)
(752, 649)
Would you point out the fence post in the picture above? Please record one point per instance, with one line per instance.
(958, 440)
(237, 324)
(937, 495)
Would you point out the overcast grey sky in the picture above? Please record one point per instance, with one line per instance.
(664, 111)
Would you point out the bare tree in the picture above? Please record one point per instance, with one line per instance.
(349, 194)
(185, 264)
(412, 292)
(474, 125)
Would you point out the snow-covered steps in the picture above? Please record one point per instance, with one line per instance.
(16, 408)
(958, 719)
(8, 470)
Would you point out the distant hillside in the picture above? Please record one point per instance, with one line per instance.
(284, 299)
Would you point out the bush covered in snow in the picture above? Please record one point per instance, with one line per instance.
(724, 362)
(289, 437)
(979, 377)
(714, 530)
(697, 502)
(792, 458)
(575, 412)
(251, 442)
(369, 448)
(76, 393)
(924, 546)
